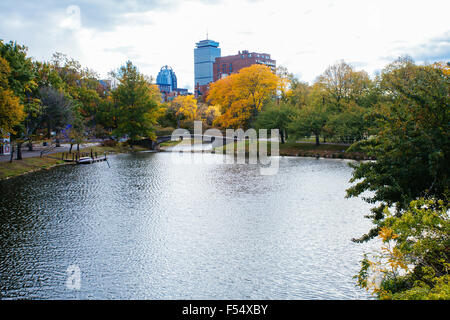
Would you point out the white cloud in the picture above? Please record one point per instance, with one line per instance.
(72, 19)
(304, 36)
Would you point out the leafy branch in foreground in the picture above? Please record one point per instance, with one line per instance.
(414, 260)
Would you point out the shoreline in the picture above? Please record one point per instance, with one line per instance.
(34, 170)
(34, 164)
(304, 150)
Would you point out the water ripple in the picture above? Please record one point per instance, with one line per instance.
(148, 228)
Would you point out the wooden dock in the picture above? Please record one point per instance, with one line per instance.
(83, 157)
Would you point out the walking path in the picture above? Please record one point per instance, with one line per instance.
(65, 147)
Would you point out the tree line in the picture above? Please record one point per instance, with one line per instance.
(61, 99)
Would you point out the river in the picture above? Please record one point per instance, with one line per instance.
(151, 228)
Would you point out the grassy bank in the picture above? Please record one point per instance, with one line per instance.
(295, 149)
(169, 144)
(19, 167)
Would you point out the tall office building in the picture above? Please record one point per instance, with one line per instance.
(205, 55)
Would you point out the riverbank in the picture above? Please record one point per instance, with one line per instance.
(27, 165)
(294, 149)
(32, 164)
(304, 149)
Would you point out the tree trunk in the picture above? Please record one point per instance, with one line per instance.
(71, 146)
(282, 136)
(317, 140)
(58, 143)
(12, 153)
(30, 145)
(19, 151)
(78, 148)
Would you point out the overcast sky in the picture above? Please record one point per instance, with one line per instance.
(304, 36)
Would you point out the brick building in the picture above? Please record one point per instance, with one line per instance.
(209, 66)
(224, 66)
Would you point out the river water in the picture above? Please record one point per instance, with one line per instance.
(151, 228)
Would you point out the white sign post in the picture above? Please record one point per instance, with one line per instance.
(5, 144)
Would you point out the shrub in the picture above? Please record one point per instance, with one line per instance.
(109, 143)
(414, 259)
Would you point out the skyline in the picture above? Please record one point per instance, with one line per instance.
(304, 37)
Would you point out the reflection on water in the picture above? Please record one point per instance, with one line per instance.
(148, 228)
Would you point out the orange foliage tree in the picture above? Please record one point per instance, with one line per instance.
(11, 110)
(242, 95)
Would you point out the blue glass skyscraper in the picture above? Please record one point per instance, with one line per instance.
(166, 79)
(205, 54)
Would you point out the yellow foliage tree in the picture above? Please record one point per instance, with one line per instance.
(187, 106)
(155, 93)
(444, 67)
(210, 113)
(242, 95)
(11, 110)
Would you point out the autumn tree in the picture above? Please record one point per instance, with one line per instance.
(285, 80)
(47, 75)
(11, 110)
(233, 109)
(22, 82)
(242, 95)
(414, 260)
(186, 106)
(209, 113)
(168, 117)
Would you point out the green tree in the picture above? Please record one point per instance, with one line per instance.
(57, 110)
(414, 261)
(410, 142)
(136, 105)
(350, 96)
(298, 93)
(106, 114)
(22, 76)
(349, 125)
(312, 118)
(276, 117)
